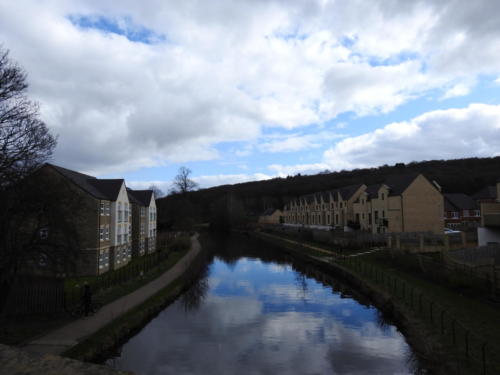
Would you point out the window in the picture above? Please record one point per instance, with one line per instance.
(143, 211)
(477, 213)
(102, 210)
(107, 208)
(454, 215)
(101, 234)
(383, 213)
(43, 233)
(142, 228)
(376, 215)
(106, 233)
(125, 217)
(119, 212)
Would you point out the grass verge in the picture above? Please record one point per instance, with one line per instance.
(465, 330)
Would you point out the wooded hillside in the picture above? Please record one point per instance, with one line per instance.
(455, 176)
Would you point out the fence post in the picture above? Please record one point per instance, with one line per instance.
(453, 336)
(467, 343)
(483, 349)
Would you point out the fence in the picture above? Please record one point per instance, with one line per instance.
(134, 270)
(335, 238)
(33, 295)
(475, 354)
(426, 242)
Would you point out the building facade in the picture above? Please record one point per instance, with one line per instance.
(104, 220)
(407, 203)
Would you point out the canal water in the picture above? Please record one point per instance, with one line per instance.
(254, 311)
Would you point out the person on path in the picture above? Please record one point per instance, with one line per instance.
(87, 298)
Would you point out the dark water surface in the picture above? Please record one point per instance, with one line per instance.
(252, 312)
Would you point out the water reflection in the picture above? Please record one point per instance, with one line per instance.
(250, 316)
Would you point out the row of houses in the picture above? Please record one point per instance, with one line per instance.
(114, 223)
(404, 203)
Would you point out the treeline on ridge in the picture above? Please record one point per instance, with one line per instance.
(454, 176)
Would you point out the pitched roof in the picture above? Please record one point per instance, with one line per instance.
(398, 183)
(110, 188)
(141, 196)
(372, 190)
(268, 212)
(347, 192)
(101, 189)
(458, 202)
(488, 192)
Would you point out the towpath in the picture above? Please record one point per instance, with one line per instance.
(61, 339)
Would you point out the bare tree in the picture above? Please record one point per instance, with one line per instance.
(157, 191)
(25, 141)
(182, 183)
(28, 209)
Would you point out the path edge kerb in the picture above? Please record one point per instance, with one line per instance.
(73, 334)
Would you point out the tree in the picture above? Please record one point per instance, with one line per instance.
(25, 141)
(182, 183)
(33, 230)
(157, 191)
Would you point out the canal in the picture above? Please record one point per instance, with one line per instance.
(253, 310)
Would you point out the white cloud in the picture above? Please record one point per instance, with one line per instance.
(445, 134)
(221, 72)
(297, 142)
(290, 170)
(204, 181)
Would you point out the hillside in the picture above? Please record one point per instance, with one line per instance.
(454, 176)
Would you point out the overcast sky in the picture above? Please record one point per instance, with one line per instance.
(244, 90)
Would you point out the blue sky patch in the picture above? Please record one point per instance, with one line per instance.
(124, 26)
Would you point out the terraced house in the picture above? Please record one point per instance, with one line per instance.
(104, 221)
(406, 203)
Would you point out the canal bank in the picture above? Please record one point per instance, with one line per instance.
(428, 346)
(85, 338)
(259, 310)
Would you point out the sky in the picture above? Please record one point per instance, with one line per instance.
(241, 90)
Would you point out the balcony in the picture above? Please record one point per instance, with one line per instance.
(491, 220)
(382, 222)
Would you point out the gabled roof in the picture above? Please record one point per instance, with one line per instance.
(458, 202)
(269, 212)
(101, 189)
(488, 192)
(109, 187)
(372, 190)
(347, 192)
(143, 197)
(399, 183)
(326, 196)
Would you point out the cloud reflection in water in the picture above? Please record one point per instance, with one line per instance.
(264, 318)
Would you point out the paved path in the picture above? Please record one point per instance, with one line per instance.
(65, 337)
(321, 250)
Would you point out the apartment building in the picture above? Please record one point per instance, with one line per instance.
(461, 211)
(105, 220)
(143, 222)
(405, 203)
(488, 232)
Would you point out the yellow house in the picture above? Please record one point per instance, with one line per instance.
(271, 216)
